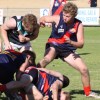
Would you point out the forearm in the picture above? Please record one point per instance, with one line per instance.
(54, 89)
(4, 35)
(31, 37)
(76, 44)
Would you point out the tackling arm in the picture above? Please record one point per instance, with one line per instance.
(10, 24)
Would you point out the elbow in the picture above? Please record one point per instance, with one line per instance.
(81, 46)
(54, 87)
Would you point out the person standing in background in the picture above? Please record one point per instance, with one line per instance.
(0, 46)
(56, 7)
(93, 3)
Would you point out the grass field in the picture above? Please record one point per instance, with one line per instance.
(90, 54)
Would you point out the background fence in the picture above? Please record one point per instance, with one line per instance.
(89, 16)
(22, 7)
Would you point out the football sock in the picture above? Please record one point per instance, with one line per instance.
(87, 90)
(3, 88)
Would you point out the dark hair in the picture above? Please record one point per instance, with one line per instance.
(32, 56)
(66, 81)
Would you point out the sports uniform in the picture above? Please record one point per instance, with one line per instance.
(13, 34)
(10, 61)
(56, 38)
(42, 80)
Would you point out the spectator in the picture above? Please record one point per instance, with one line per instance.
(0, 46)
(56, 7)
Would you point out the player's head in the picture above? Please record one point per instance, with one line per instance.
(65, 96)
(70, 8)
(65, 81)
(29, 22)
(32, 56)
(69, 12)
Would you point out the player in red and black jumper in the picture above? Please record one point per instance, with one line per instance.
(66, 36)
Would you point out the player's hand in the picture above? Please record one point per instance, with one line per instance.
(46, 97)
(67, 39)
(42, 24)
(49, 25)
(7, 46)
(22, 38)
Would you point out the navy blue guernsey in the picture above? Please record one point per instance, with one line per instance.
(10, 61)
(60, 31)
(42, 80)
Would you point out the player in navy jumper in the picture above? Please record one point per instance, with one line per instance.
(66, 36)
(12, 61)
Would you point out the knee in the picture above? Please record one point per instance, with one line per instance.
(46, 60)
(84, 72)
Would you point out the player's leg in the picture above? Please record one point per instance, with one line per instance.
(76, 62)
(49, 56)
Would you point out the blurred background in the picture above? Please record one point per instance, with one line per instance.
(10, 8)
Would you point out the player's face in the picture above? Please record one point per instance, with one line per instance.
(67, 17)
(26, 28)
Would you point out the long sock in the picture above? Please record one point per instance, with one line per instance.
(3, 88)
(87, 90)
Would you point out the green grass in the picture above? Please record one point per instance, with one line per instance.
(90, 54)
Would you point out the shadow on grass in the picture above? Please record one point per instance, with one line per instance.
(84, 53)
(81, 92)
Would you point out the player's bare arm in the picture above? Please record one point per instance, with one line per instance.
(10, 24)
(55, 87)
(54, 73)
(22, 68)
(49, 19)
(80, 38)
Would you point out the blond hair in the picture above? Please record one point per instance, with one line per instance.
(70, 8)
